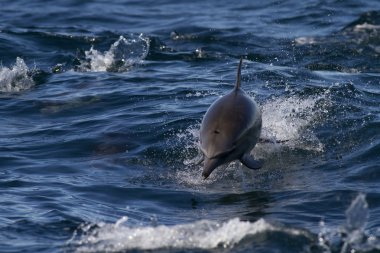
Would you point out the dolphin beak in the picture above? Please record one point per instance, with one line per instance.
(209, 166)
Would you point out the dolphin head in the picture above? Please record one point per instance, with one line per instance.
(216, 147)
(210, 165)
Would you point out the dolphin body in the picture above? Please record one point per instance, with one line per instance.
(230, 129)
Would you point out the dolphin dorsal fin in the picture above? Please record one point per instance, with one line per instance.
(238, 77)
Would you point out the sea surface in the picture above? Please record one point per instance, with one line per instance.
(101, 104)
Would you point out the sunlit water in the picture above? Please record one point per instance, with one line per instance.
(101, 104)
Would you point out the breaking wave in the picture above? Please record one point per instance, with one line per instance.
(207, 234)
(202, 234)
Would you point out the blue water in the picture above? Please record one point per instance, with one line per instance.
(101, 104)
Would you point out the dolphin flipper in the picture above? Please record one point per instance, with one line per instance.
(250, 162)
(199, 159)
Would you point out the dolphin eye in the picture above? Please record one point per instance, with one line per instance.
(216, 131)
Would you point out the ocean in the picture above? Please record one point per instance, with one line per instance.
(101, 105)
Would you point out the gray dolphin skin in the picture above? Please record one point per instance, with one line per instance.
(230, 129)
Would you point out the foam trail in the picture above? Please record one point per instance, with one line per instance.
(120, 57)
(15, 78)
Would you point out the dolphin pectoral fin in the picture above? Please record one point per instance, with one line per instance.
(250, 162)
(198, 160)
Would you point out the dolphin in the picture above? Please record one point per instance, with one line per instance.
(230, 129)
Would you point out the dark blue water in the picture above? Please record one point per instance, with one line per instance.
(101, 104)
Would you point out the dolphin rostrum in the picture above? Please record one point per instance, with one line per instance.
(230, 130)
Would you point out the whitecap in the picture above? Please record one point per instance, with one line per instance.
(203, 234)
(124, 235)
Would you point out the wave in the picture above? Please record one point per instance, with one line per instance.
(207, 234)
(368, 21)
(204, 234)
(353, 49)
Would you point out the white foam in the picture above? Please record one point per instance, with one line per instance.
(120, 57)
(15, 78)
(204, 234)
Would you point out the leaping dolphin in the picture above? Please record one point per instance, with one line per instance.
(230, 129)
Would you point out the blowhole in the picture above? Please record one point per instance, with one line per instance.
(216, 132)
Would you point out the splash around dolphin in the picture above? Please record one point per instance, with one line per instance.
(230, 129)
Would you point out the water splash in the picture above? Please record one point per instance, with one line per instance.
(351, 236)
(191, 174)
(357, 214)
(124, 235)
(190, 137)
(290, 120)
(15, 78)
(122, 54)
